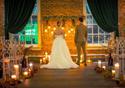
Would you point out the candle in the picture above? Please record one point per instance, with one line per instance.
(113, 72)
(16, 67)
(44, 60)
(104, 67)
(46, 54)
(117, 70)
(13, 77)
(89, 61)
(31, 66)
(49, 58)
(81, 58)
(40, 61)
(25, 73)
(99, 63)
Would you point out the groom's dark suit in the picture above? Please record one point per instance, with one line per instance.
(80, 40)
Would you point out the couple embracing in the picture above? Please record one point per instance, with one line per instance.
(60, 57)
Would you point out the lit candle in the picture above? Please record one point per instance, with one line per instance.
(113, 72)
(13, 77)
(16, 67)
(99, 63)
(71, 29)
(31, 66)
(48, 57)
(40, 61)
(25, 73)
(62, 28)
(54, 28)
(44, 60)
(89, 61)
(46, 54)
(104, 67)
(49, 27)
(45, 30)
(117, 70)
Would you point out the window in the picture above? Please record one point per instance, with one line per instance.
(95, 34)
(30, 33)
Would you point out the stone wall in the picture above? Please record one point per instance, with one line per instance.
(122, 17)
(1, 17)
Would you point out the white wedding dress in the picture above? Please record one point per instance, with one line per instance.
(60, 56)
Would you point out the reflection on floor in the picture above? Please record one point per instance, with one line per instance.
(82, 77)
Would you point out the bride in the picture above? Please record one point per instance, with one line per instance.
(60, 56)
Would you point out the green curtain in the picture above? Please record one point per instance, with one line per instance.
(105, 12)
(17, 14)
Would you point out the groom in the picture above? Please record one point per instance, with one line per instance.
(81, 39)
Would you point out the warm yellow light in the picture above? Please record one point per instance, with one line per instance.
(89, 61)
(104, 67)
(30, 70)
(40, 60)
(13, 76)
(51, 32)
(81, 56)
(46, 53)
(62, 28)
(54, 28)
(49, 57)
(49, 27)
(16, 66)
(65, 35)
(31, 64)
(69, 31)
(81, 60)
(99, 63)
(113, 71)
(116, 65)
(25, 73)
(45, 30)
(44, 59)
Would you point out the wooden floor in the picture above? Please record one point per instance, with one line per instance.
(83, 77)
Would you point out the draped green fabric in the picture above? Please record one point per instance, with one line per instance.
(105, 12)
(17, 14)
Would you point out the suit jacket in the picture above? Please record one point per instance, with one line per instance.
(80, 33)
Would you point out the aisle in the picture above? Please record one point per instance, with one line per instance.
(83, 77)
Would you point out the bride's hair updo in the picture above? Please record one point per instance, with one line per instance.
(58, 23)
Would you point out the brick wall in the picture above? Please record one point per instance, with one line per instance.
(122, 17)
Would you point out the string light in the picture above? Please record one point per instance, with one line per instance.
(49, 27)
(62, 28)
(54, 28)
(69, 31)
(51, 32)
(65, 35)
(45, 30)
